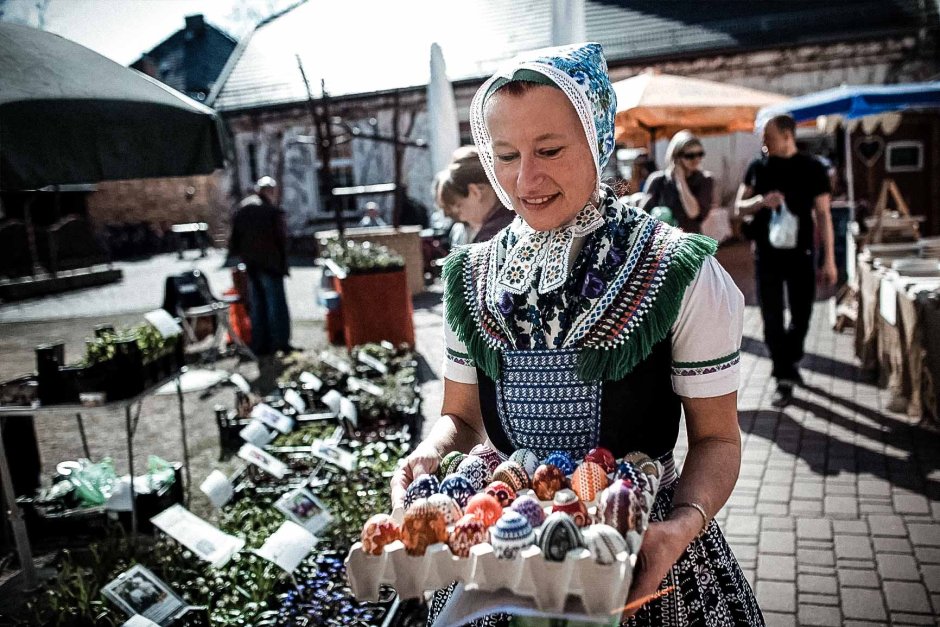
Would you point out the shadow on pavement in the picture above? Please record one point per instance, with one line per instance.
(811, 361)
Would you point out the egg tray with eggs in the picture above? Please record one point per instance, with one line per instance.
(541, 528)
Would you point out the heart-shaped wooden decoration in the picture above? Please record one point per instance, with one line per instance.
(869, 149)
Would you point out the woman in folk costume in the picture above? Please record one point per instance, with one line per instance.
(588, 323)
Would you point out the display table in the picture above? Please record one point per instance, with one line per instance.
(131, 419)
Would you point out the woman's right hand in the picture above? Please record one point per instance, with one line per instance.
(425, 459)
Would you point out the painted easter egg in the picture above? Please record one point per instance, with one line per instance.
(458, 488)
(588, 480)
(620, 506)
(603, 457)
(492, 457)
(484, 507)
(559, 535)
(513, 474)
(547, 480)
(511, 533)
(378, 531)
(643, 462)
(562, 461)
(447, 506)
(529, 507)
(466, 533)
(423, 526)
(502, 492)
(527, 459)
(567, 501)
(476, 470)
(604, 542)
(633, 476)
(421, 488)
(450, 462)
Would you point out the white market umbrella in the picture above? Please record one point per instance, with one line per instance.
(443, 125)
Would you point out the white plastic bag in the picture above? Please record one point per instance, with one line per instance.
(784, 227)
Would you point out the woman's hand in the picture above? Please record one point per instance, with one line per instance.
(425, 459)
(663, 544)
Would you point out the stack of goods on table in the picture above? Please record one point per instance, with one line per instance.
(540, 528)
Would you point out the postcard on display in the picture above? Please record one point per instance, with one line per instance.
(292, 398)
(218, 488)
(372, 362)
(288, 546)
(272, 417)
(302, 507)
(365, 385)
(208, 542)
(255, 432)
(270, 464)
(331, 453)
(311, 380)
(139, 591)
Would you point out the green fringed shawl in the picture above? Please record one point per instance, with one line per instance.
(608, 360)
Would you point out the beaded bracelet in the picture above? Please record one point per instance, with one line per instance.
(700, 510)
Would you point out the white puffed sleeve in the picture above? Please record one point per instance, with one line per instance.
(706, 337)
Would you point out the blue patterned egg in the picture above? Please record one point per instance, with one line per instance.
(527, 459)
(621, 507)
(458, 488)
(447, 506)
(559, 535)
(491, 456)
(475, 470)
(604, 542)
(421, 488)
(529, 507)
(562, 461)
(511, 533)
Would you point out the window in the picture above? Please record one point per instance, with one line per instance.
(905, 156)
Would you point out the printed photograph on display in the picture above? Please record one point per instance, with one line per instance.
(303, 508)
(139, 591)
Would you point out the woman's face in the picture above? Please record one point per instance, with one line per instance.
(541, 154)
(691, 156)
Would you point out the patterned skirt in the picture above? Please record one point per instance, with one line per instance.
(710, 589)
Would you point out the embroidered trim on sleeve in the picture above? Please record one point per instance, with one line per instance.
(694, 368)
(459, 358)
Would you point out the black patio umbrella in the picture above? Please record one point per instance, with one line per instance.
(69, 115)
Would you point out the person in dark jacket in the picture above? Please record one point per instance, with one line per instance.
(683, 186)
(465, 194)
(259, 239)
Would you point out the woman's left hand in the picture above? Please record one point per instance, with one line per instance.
(663, 544)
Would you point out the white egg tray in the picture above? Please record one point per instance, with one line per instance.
(602, 588)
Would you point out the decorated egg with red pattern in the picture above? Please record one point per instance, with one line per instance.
(547, 480)
(527, 459)
(379, 531)
(513, 474)
(621, 507)
(567, 501)
(475, 470)
(446, 506)
(502, 492)
(491, 456)
(485, 507)
(588, 480)
(604, 458)
(562, 461)
(529, 507)
(423, 526)
(467, 532)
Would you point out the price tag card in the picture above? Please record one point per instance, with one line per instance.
(254, 455)
(347, 410)
(218, 488)
(366, 386)
(311, 380)
(302, 507)
(256, 433)
(331, 399)
(272, 417)
(288, 546)
(329, 452)
(206, 541)
(336, 362)
(295, 400)
(163, 322)
(239, 381)
(373, 363)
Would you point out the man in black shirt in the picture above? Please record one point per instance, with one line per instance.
(785, 177)
(259, 239)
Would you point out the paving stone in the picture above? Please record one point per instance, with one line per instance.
(775, 619)
(864, 604)
(924, 534)
(778, 542)
(907, 597)
(911, 504)
(818, 599)
(931, 577)
(776, 596)
(772, 509)
(776, 567)
(802, 507)
(927, 555)
(852, 547)
(875, 508)
(903, 567)
(856, 527)
(823, 545)
(841, 489)
(892, 545)
(858, 578)
(844, 506)
(813, 529)
(744, 552)
(874, 487)
(778, 477)
(815, 557)
(819, 615)
(776, 523)
(861, 623)
(816, 584)
(901, 618)
(739, 524)
(807, 490)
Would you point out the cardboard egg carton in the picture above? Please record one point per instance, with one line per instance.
(601, 588)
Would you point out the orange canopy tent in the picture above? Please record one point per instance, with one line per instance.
(653, 106)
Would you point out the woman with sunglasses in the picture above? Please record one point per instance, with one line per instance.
(683, 186)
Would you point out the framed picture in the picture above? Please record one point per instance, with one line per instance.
(139, 591)
(303, 508)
